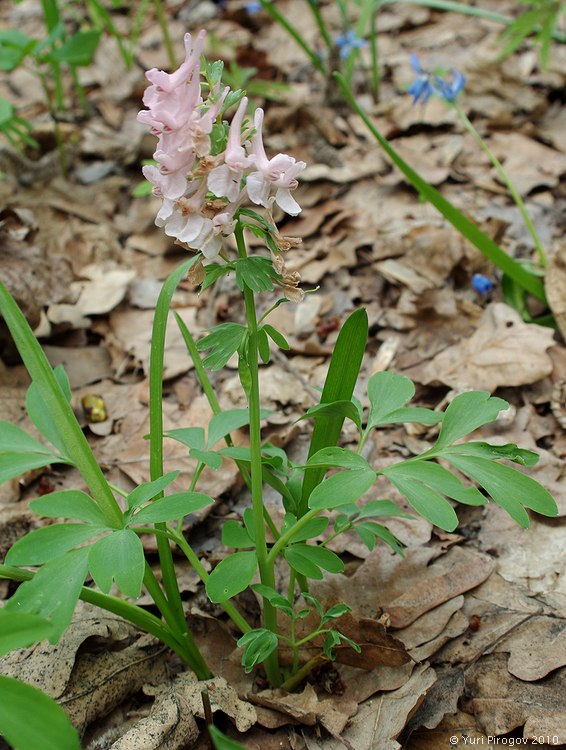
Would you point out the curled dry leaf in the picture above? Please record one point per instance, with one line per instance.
(501, 702)
(460, 570)
(536, 647)
(503, 351)
(441, 699)
(381, 720)
(171, 724)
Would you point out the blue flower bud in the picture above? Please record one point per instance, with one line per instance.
(481, 284)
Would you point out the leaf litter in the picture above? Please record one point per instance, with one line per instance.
(474, 621)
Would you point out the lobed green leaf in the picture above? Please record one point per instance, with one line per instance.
(342, 488)
(49, 542)
(231, 576)
(69, 504)
(29, 719)
(118, 557)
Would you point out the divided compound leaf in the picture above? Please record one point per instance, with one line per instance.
(274, 598)
(227, 421)
(438, 478)
(192, 437)
(118, 557)
(14, 464)
(231, 576)
(263, 346)
(14, 440)
(313, 528)
(53, 591)
(369, 531)
(276, 336)
(69, 504)
(149, 490)
(235, 535)
(78, 49)
(509, 451)
(18, 630)
(41, 416)
(376, 508)
(387, 392)
(172, 507)
(222, 342)
(30, 719)
(308, 560)
(508, 487)
(466, 413)
(49, 542)
(342, 488)
(257, 645)
(255, 272)
(426, 501)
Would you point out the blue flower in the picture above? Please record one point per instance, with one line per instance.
(348, 42)
(253, 7)
(426, 84)
(481, 284)
(450, 90)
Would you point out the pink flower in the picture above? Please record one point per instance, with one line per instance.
(226, 179)
(167, 82)
(279, 172)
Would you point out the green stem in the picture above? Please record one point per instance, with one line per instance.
(374, 51)
(505, 179)
(190, 652)
(156, 362)
(315, 10)
(79, 90)
(285, 538)
(266, 570)
(238, 620)
(162, 21)
(269, 6)
(295, 680)
(130, 612)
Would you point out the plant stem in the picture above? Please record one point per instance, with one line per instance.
(130, 612)
(266, 569)
(156, 362)
(315, 10)
(505, 179)
(190, 652)
(238, 620)
(295, 679)
(285, 538)
(374, 51)
(269, 6)
(162, 21)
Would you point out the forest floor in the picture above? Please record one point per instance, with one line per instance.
(481, 612)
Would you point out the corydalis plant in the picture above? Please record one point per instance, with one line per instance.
(206, 171)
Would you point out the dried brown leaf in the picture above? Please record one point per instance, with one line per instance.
(503, 351)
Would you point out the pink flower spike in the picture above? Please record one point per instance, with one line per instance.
(170, 81)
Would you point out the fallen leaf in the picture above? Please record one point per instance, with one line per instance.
(503, 351)
(536, 647)
(467, 570)
(501, 702)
